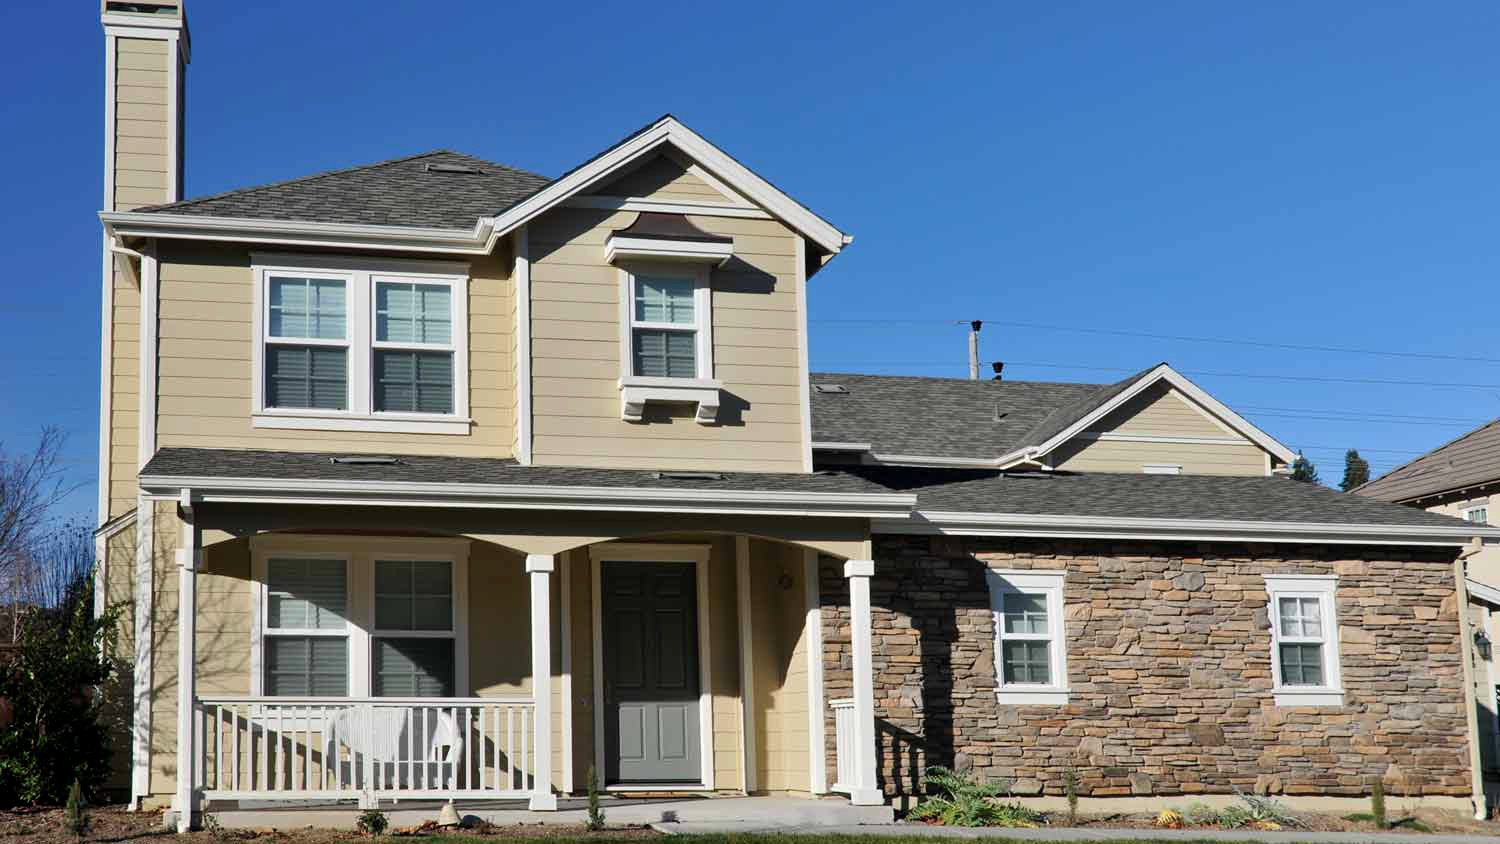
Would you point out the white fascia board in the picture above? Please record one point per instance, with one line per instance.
(669, 131)
(115, 525)
(299, 233)
(537, 497)
(835, 446)
(666, 206)
(1488, 594)
(934, 462)
(1195, 393)
(1203, 530)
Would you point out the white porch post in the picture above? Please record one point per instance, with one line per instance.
(540, 567)
(188, 557)
(863, 791)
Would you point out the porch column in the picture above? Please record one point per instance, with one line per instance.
(189, 556)
(540, 567)
(863, 791)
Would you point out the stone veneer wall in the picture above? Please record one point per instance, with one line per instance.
(1169, 665)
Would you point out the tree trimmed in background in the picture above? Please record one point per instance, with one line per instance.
(1356, 470)
(1304, 470)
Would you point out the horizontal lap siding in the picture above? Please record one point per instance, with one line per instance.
(1161, 411)
(576, 352)
(661, 178)
(204, 369)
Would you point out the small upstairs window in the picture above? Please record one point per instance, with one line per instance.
(1479, 515)
(307, 343)
(666, 338)
(664, 328)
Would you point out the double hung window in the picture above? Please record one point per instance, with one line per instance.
(1030, 647)
(1304, 640)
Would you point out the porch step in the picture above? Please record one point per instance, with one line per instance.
(667, 814)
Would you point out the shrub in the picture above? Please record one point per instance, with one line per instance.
(55, 737)
(1377, 803)
(595, 820)
(76, 811)
(1266, 812)
(1169, 819)
(1070, 788)
(960, 800)
(1234, 817)
(1201, 814)
(372, 822)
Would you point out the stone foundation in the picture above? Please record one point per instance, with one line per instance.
(1169, 662)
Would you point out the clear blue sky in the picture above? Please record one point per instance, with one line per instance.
(1306, 173)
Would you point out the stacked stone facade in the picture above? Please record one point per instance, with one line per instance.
(1169, 663)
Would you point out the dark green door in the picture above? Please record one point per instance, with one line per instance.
(650, 618)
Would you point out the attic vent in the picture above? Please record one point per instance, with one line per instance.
(688, 476)
(364, 460)
(836, 389)
(454, 168)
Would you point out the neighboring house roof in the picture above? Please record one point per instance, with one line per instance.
(1470, 460)
(1132, 495)
(1007, 422)
(438, 189)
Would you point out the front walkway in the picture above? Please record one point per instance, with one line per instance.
(740, 814)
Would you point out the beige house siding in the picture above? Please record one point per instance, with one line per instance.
(142, 114)
(117, 695)
(662, 178)
(575, 318)
(780, 659)
(125, 368)
(1161, 411)
(205, 362)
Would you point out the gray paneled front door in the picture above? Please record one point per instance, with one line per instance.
(650, 618)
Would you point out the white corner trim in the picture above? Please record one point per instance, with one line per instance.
(934, 522)
(146, 388)
(624, 247)
(143, 687)
(749, 749)
(817, 742)
(667, 206)
(1166, 373)
(565, 681)
(106, 378)
(522, 276)
(804, 378)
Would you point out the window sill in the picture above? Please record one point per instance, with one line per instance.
(636, 392)
(1014, 696)
(1293, 696)
(385, 423)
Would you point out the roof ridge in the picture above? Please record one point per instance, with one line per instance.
(323, 174)
(953, 378)
(1423, 456)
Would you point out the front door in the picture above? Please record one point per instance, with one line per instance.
(650, 633)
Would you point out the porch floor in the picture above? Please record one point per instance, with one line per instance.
(745, 814)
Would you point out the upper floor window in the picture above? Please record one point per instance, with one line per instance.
(361, 344)
(1031, 661)
(1478, 515)
(1304, 640)
(666, 338)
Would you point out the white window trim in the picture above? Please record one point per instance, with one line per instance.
(1464, 512)
(359, 276)
(1028, 582)
(359, 555)
(702, 390)
(1161, 469)
(1323, 588)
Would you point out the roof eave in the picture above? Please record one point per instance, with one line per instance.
(475, 241)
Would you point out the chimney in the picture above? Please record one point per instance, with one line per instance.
(974, 327)
(146, 49)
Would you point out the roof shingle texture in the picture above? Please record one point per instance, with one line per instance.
(419, 191)
(1471, 460)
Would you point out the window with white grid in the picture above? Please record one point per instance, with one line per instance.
(1304, 640)
(1030, 648)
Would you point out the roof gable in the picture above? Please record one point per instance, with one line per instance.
(1470, 460)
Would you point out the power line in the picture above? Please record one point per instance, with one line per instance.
(1114, 332)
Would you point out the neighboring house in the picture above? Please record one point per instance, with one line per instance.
(1459, 478)
(439, 478)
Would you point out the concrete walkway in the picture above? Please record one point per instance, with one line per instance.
(1069, 834)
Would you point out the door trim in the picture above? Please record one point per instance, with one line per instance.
(612, 552)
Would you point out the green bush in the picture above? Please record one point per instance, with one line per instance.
(56, 736)
(372, 822)
(1377, 803)
(960, 800)
(76, 811)
(595, 820)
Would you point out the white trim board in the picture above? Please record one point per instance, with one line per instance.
(699, 555)
(1202, 530)
(666, 206)
(522, 276)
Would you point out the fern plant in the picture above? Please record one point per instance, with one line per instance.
(961, 800)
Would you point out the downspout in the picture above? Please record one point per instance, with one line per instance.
(1471, 703)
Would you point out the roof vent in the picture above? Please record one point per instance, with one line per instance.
(454, 168)
(364, 460)
(688, 476)
(835, 389)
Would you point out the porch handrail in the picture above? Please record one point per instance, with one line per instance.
(506, 700)
(845, 738)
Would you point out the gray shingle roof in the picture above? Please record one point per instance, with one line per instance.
(420, 190)
(283, 465)
(1210, 497)
(1471, 460)
(948, 417)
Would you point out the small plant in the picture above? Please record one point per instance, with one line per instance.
(960, 800)
(1266, 813)
(1070, 788)
(1377, 803)
(595, 820)
(1201, 814)
(76, 811)
(1169, 819)
(212, 826)
(372, 822)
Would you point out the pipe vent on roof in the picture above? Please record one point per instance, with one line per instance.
(454, 168)
(831, 389)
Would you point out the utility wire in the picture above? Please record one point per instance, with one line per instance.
(1263, 344)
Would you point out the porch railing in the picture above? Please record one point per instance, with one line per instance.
(845, 740)
(363, 748)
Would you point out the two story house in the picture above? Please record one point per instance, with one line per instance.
(438, 478)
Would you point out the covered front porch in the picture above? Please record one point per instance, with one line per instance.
(335, 658)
